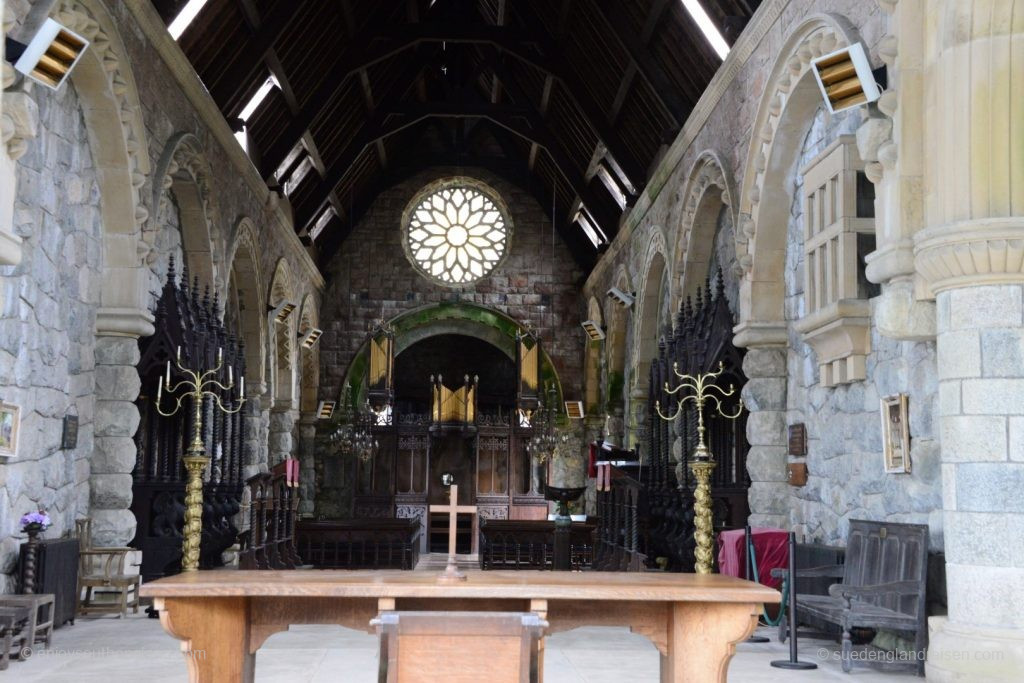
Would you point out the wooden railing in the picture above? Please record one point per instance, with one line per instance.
(621, 543)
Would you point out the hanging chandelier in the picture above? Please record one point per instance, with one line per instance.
(354, 436)
(546, 435)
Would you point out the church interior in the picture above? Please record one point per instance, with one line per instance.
(462, 340)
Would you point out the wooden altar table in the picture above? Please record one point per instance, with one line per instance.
(223, 617)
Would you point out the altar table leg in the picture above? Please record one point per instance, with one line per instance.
(214, 635)
(702, 638)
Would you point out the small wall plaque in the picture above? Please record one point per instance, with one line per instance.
(796, 473)
(798, 439)
(69, 435)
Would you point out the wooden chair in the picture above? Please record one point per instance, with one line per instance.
(459, 647)
(40, 616)
(13, 620)
(103, 568)
(883, 586)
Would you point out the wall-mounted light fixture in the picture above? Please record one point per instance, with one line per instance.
(574, 409)
(593, 330)
(325, 410)
(623, 299)
(309, 339)
(282, 311)
(50, 56)
(845, 78)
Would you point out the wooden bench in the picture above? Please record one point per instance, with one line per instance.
(529, 544)
(883, 587)
(359, 543)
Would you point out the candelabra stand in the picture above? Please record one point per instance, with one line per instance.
(197, 385)
(703, 389)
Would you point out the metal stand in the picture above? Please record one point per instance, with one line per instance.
(748, 549)
(792, 662)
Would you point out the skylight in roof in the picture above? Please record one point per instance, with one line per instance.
(593, 233)
(707, 27)
(258, 98)
(185, 17)
(613, 187)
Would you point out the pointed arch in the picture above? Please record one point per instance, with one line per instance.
(592, 361)
(649, 306)
(185, 173)
(282, 367)
(708, 192)
(309, 369)
(785, 112)
(245, 302)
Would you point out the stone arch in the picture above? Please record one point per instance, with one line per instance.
(113, 116)
(785, 112)
(592, 362)
(184, 171)
(245, 304)
(615, 352)
(648, 307)
(309, 365)
(708, 192)
(282, 366)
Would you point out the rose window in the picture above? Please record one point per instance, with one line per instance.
(456, 235)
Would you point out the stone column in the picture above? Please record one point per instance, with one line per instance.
(113, 458)
(971, 255)
(254, 435)
(307, 463)
(765, 397)
(18, 123)
(281, 443)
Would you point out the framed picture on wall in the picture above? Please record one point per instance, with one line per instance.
(10, 421)
(896, 434)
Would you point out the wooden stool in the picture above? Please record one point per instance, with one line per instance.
(459, 647)
(12, 621)
(40, 628)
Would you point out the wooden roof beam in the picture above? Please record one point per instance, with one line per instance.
(239, 75)
(647, 67)
(653, 17)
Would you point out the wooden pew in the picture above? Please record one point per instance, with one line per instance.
(529, 544)
(222, 618)
(359, 543)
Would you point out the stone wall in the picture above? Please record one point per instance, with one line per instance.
(98, 216)
(371, 278)
(47, 326)
(846, 477)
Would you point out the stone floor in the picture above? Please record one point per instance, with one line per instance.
(111, 650)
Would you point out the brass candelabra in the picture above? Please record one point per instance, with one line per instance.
(703, 389)
(198, 385)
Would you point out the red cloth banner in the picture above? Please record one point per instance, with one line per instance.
(771, 550)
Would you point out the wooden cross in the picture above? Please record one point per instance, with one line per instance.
(451, 571)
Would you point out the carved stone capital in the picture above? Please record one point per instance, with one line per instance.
(755, 334)
(890, 262)
(19, 123)
(10, 249)
(988, 251)
(124, 322)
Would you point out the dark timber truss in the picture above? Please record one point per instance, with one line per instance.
(571, 97)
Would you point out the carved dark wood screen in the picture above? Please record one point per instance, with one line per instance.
(700, 340)
(188, 319)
